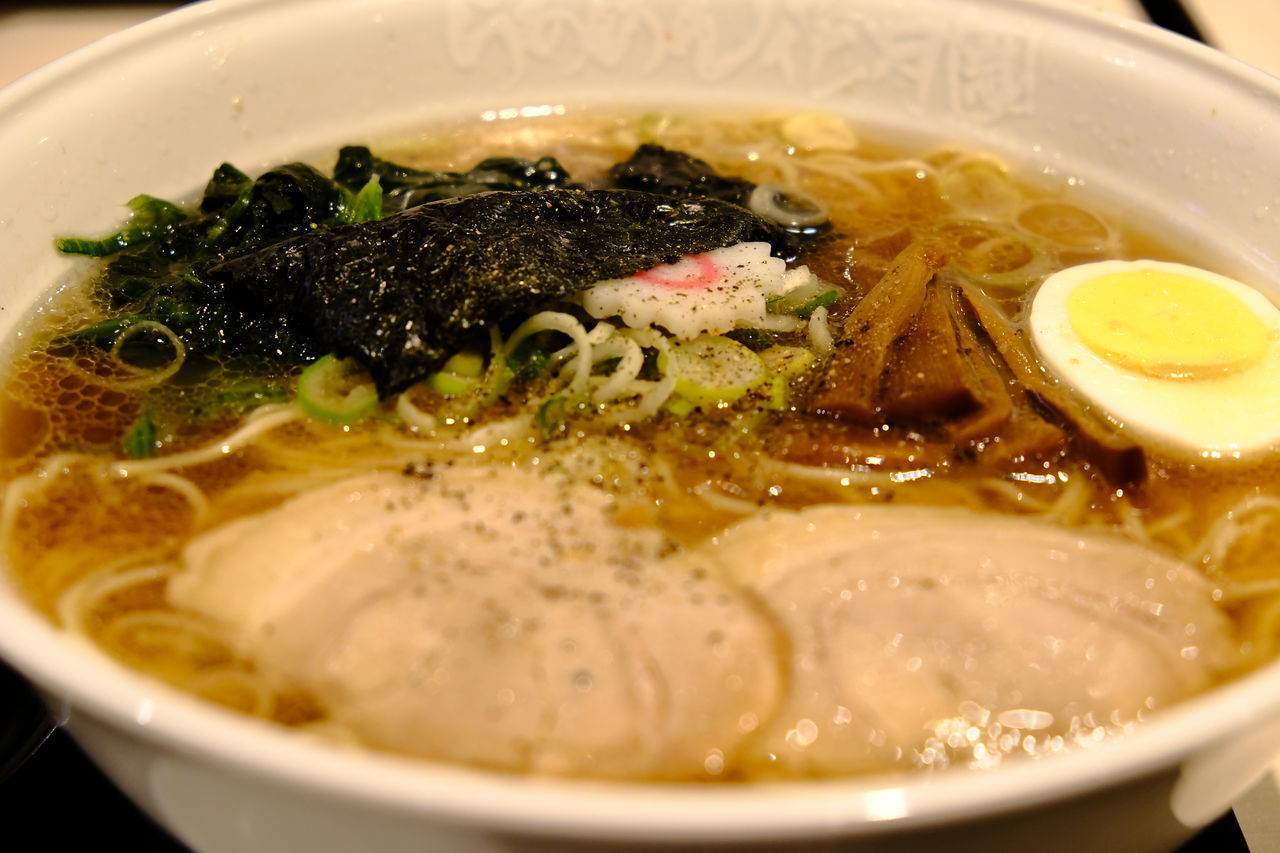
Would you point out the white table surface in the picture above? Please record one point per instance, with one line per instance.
(33, 34)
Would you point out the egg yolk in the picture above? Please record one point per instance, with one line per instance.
(1165, 325)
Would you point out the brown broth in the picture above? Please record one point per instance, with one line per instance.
(64, 400)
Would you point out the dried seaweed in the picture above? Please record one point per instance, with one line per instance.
(403, 293)
(286, 268)
(404, 187)
(655, 169)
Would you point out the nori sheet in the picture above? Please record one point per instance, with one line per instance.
(653, 168)
(403, 293)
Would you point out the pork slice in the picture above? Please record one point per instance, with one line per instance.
(902, 619)
(492, 616)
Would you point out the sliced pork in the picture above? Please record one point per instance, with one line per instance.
(907, 624)
(505, 618)
(492, 616)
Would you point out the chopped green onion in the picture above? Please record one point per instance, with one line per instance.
(785, 364)
(460, 374)
(551, 415)
(102, 334)
(994, 256)
(230, 215)
(648, 126)
(776, 393)
(804, 299)
(451, 385)
(242, 396)
(822, 300)
(151, 217)
(789, 207)
(678, 406)
(788, 362)
(140, 441)
(364, 206)
(336, 390)
(712, 370)
(528, 360)
(498, 376)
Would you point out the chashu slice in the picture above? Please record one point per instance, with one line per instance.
(910, 624)
(492, 616)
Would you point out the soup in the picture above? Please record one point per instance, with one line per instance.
(763, 467)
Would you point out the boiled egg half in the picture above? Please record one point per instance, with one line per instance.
(1187, 357)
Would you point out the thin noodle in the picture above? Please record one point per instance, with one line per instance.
(1222, 537)
(80, 598)
(1131, 520)
(781, 323)
(274, 487)
(618, 382)
(1071, 503)
(713, 496)
(560, 322)
(1172, 522)
(261, 420)
(827, 476)
(18, 492)
(181, 486)
(1267, 631)
(185, 634)
(653, 395)
(412, 415)
(500, 433)
(207, 683)
(1235, 591)
(1015, 494)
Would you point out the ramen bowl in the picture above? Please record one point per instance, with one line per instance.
(1185, 139)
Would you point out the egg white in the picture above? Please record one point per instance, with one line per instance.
(1224, 417)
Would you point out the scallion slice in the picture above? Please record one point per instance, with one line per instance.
(336, 390)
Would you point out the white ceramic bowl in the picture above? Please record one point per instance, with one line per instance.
(1183, 136)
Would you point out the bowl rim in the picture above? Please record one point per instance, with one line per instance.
(70, 670)
(104, 690)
